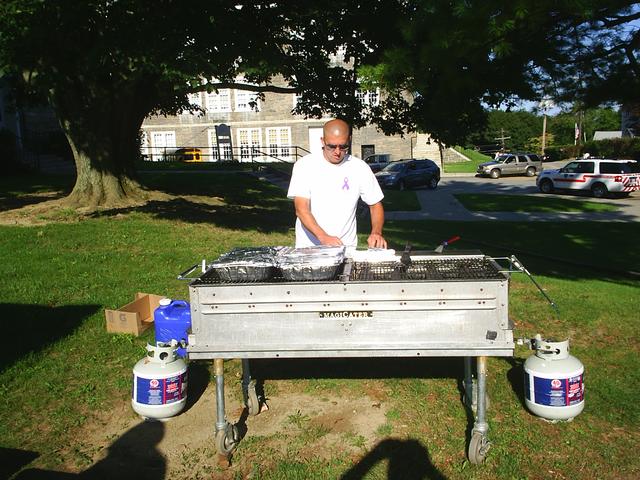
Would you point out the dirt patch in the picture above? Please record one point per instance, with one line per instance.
(45, 208)
(184, 446)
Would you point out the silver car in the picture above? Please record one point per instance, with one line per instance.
(512, 164)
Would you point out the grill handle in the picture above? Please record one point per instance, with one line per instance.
(184, 275)
(519, 267)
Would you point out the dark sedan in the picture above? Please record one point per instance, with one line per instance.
(404, 174)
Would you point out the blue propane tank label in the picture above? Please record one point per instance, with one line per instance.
(160, 391)
(554, 392)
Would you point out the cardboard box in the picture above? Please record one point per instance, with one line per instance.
(134, 317)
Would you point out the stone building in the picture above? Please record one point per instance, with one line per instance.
(234, 124)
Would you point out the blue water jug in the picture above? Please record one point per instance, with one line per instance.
(173, 321)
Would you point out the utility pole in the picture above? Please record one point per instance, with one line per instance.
(502, 138)
(545, 104)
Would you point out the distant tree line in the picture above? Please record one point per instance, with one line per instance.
(522, 130)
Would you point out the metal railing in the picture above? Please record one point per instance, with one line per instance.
(224, 153)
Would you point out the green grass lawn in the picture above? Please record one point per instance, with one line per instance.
(61, 373)
(400, 201)
(467, 167)
(528, 203)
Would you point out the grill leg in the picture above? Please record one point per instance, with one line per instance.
(227, 435)
(481, 425)
(221, 419)
(468, 383)
(479, 444)
(249, 389)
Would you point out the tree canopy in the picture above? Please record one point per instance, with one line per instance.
(104, 65)
(457, 58)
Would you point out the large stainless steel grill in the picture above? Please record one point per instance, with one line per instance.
(434, 305)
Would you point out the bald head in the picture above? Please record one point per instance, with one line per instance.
(335, 140)
(336, 127)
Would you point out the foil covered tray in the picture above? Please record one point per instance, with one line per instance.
(246, 264)
(311, 263)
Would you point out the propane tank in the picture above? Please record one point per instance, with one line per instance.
(553, 381)
(159, 383)
(172, 321)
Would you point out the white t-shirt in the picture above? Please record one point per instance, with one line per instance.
(333, 191)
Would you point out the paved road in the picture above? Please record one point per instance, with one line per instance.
(440, 204)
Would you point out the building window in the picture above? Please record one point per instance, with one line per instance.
(219, 101)
(247, 101)
(144, 145)
(279, 142)
(163, 144)
(250, 145)
(369, 98)
(193, 99)
(296, 99)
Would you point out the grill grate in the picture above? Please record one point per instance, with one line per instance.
(440, 269)
(479, 268)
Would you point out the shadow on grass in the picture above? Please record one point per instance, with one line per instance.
(29, 328)
(13, 459)
(408, 460)
(13, 202)
(235, 217)
(233, 188)
(133, 455)
(576, 250)
(17, 191)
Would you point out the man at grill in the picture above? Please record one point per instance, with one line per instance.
(326, 188)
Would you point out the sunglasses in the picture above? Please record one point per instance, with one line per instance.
(332, 146)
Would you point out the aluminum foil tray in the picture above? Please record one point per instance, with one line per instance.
(246, 264)
(309, 272)
(310, 263)
(249, 272)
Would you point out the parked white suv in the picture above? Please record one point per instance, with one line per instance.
(600, 176)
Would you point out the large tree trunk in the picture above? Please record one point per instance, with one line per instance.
(103, 135)
(105, 175)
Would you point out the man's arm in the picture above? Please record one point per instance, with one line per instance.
(303, 212)
(376, 240)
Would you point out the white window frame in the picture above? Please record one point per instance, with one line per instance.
(144, 144)
(218, 101)
(246, 147)
(296, 98)
(369, 98)
(278, 142)
(243, 100)
(163, 143)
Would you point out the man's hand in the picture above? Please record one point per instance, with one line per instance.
(329, 240)
(376, 240)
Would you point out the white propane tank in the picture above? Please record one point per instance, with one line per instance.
(553, 381)
(159, 383)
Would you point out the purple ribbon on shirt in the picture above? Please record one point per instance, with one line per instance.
(345, 185)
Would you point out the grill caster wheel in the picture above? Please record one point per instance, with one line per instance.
(227, 440)
(253, 404)
(478, 448)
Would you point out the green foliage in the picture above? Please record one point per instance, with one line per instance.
(519, 126)
(563, 124)
(623, 148)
